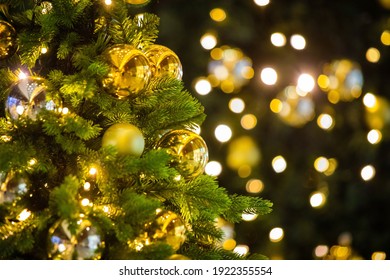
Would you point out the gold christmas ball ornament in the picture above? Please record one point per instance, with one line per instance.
(178, 257)
(137, 2)
(81, 243)
(130, 71)
(168, 227)
(164, 61)
(27, 97)
(8, 36)
(126, 138)
(189, 149)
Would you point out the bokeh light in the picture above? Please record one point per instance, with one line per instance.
(385, 38)
(208, 41)
(236, 105)
(254, 186)
(370, 100)
(248, 121)
(317, 199)
(367, 172)
(278, 39)
(298, 42)
(325, 121)
(276, 234)
(305, 83)
(203, 86)
(223, 133)
(269, 76)
(218, 14)
(373, 55)
(321, 251)
(378, 256)
(241, 250)
(374, 136)
(261, 2)
(213, 168)
(279, 164)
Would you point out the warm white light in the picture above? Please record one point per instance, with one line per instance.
(61, 248)
(249, 217)
(236, 105)
(24, 215)
(108, 2)
(325, 121)
(298, 42)
(321, 251)
(106, 209)
(261, 2)
(203, 86)
(278, 39)
(22, 75)
(369, 100)
(254, 186)
(321, 164)
(276, 234)
(279, 164)
(368, 172)
(305, 83)
(374, 136)
(65, 110)
(85, 202)
(213, 168)
(317, 199)
(269, 76)
(221, 72)
(92, 171)
(44, 50)
(208, 41)
(32, 162)
(19, 109)
(87, 186)
(223, 133)
(241, 250)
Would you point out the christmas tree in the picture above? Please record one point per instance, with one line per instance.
(100, 157)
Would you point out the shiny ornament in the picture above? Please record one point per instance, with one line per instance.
(164, 61)
(130, 71)
(343, 80)
(84, 244)
(27, 98)
(168, 227)
(189, 149)
(178, 257)
(125, 137)
(8, 36)
(137, 2)
(295, 110)
(12, 187)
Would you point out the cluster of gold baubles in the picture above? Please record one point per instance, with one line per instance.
(131, 69)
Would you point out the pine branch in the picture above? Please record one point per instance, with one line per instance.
(247, 205)
(63, 199)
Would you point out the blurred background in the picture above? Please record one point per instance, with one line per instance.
(296, 94)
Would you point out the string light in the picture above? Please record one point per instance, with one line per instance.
(44, 50)
(24, 215)
(321, 164)
(249, 217)
(92, 171)
(317, 199)
(241, 250)
(108, 2)
(22, 75)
